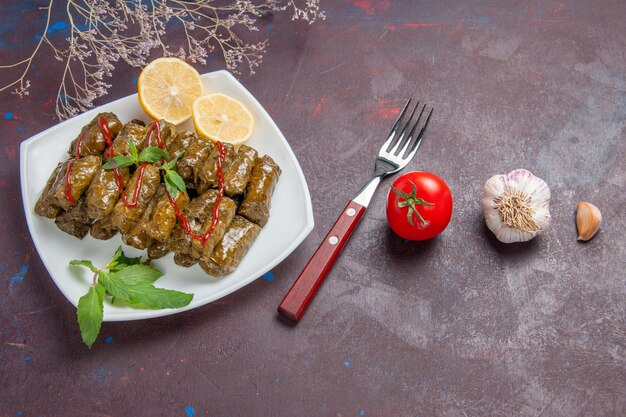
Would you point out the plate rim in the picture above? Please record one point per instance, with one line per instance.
(147, 314)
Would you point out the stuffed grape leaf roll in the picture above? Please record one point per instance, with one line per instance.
(189, 164)
(163, 217)
(134, 131)
(180, 142)
(158, 249)
(257, 202)
(104, 192)
(75, 221)
(196, 212)
(237, 175)
(124, 216)
(80, 175)
(185, 259)
(137, 236)
(47, 205)
(92, 141)
(173, 140)
(232, 248)
(103, 229)
(226, 212)
(208, 171)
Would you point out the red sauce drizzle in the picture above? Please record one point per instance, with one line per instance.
(184, 222)
(120, 184)
(104, 128)
(156, 127)
(68, 173)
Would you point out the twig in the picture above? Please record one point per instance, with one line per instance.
(104, 32)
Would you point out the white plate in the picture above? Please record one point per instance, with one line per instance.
(291, 217)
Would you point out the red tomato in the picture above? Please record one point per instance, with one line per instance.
(419, 205)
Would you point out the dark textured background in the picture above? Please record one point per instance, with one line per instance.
(458, 326)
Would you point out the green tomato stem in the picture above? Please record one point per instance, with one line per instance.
(411, 201)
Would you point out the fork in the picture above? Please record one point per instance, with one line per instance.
(394, 155)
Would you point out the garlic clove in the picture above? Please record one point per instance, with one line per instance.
(588, 220)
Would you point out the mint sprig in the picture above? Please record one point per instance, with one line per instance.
(151, 154)
(125, 279)
(119, 261)
(174, 183)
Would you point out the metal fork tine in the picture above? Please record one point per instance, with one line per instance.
(401, 137)
(410, 136)
(395, 126)
(416, 145)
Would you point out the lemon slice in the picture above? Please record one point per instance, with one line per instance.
(167, 89)
(222, 118)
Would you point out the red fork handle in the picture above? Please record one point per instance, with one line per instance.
(302, 291)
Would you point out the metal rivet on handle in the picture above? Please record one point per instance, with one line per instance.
(351, 212)
(333, 240)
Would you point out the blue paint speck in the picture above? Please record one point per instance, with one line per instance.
(190, 411)
(270, 25)
(361, 412)
(37, 37)
(346, 363)
(8, 115)
(19, 413)
(19, 277)
(20, 129)
(108, 339)
(57, 26)
(134, 80)
(26, 358)
(268, 276)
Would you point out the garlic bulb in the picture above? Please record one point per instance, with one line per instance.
(516, 206)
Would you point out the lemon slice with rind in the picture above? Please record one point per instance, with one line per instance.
(222, 118)
(167, 88)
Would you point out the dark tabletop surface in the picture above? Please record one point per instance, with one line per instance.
(458, 326)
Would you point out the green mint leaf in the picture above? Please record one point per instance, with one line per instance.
(90, 312)
(120, 261)
(114, 260)
(157, 298)
(170, 186)
(84, 262)
(121, 161)
(171, 164)
(114, 285)
(152, 154)
(133, 150)
(137, 274)
(176, 180)
(142, 293)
